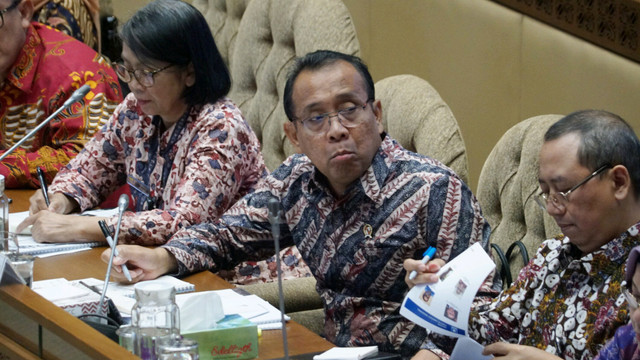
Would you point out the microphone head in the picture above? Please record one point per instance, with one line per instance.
(274, 210)
(78, 94)
(82, 91)
(123, 203)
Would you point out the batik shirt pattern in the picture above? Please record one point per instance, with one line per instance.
(187, 174)
(49, 68)
(355, 245)
(562, 302)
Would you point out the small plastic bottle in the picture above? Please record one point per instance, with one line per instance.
(154, 315)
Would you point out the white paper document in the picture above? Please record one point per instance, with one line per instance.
(250, 307)
(347, 353)
(468, 349)
(444, 307)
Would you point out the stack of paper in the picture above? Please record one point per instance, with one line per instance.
(75, 299)
(123, 295)
(250, 307)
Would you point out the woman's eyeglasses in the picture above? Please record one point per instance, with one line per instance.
(144, 77)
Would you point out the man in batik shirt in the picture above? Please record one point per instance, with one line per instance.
(567, 301)
(39, 69)
(354, 202)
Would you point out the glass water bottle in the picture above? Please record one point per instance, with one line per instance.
(154, 315)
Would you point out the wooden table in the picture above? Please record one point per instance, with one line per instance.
(88, 264)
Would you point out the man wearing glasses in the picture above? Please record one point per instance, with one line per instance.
(354, 202)
(568, 300)
(39, 69)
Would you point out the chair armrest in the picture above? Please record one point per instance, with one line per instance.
(299, 294)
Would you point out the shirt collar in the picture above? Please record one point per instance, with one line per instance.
(615, 251)
(371, 182)
(23, 72)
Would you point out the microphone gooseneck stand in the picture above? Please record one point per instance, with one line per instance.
(123, 203)
(274, 219)
(76, 96)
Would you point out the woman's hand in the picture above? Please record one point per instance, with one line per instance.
(47, 226)
(58, 203)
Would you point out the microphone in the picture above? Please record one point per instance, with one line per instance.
(76, 96)
(123, 203)
(274, 219)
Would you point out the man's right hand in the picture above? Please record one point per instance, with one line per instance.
(426, 272)
(143, 263)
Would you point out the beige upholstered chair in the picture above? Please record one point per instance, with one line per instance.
(223, 17)
(415, 115)
(507, 185)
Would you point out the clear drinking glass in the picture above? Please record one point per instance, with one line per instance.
(154, 315)
(7, 238)
(23, 264)
(126, 335)
(176, 348)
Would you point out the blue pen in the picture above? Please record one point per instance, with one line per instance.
(428, 255)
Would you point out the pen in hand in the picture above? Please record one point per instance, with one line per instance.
(428, 255)
(43, 185)
(112, 244)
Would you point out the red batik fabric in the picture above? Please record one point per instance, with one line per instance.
(49, 68)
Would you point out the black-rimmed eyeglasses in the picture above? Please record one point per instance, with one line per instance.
(349, 117)
(144, 77)
(561, 198)
(13, 5)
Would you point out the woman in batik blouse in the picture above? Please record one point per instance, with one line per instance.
(182, 148)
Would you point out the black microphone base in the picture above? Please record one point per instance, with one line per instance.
(107, 330)
(113, 321)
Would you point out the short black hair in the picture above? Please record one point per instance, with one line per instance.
(605, 139)
(319, 59)
(175, 32)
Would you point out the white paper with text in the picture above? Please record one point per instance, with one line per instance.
(444, 307)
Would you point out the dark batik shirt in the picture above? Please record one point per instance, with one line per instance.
(354, 245)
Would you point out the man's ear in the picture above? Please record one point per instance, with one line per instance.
(376, 105)
(621, 182)
(26, 13)
(292, 134)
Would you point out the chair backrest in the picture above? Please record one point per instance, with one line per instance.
(507, 185)
(415, 115)
(223, 17)
(270, 35)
